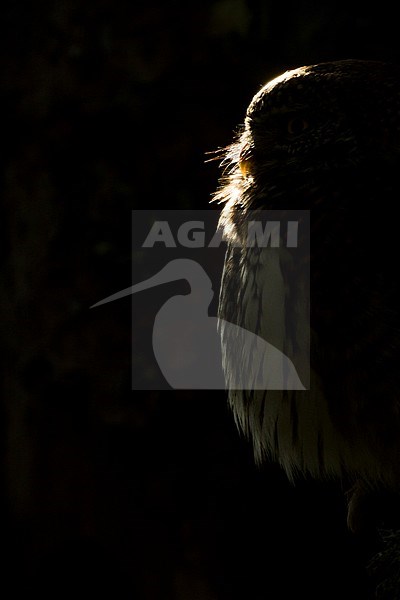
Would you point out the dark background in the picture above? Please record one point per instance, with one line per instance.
(110, 106)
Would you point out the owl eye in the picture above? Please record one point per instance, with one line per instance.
(297, 125)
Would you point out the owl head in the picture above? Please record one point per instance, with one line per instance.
(312, 128)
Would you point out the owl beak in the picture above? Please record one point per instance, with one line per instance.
(245, 168)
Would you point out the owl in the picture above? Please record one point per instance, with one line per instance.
(326, 139)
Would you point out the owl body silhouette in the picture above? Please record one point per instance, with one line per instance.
(325, 138)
